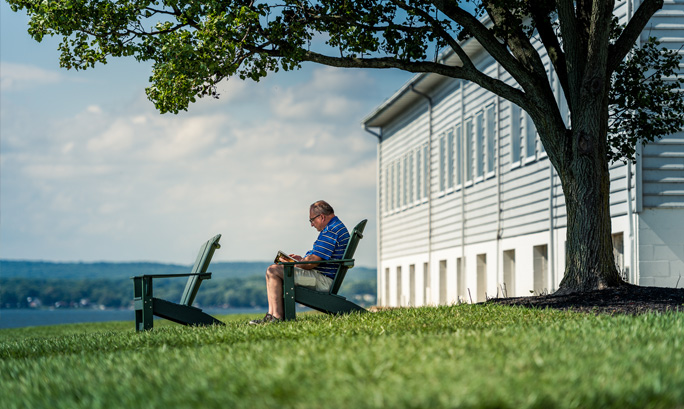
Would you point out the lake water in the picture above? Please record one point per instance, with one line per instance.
(34, 317)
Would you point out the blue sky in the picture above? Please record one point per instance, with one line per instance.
(89, 171)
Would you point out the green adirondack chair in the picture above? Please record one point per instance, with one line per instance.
(328, 302)
(146, 306)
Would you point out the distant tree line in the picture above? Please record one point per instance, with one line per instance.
(108, 270)
(125, 270)
(118, 293)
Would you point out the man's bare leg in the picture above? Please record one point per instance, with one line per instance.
(274, 289)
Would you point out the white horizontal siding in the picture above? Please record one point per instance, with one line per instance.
(662, 167)
(618, 189)
(405, 234)
(404, 229)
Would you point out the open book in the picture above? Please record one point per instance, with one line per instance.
(282, 257)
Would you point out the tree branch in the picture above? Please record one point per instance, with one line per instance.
(439, 29)
(532, 73)
(481, 33)
(571, 32)
(491, 84)
(550, 40)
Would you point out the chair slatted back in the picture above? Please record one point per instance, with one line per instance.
(201, 265)
(354, 238)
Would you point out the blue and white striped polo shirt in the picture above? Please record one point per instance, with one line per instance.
(330, 245)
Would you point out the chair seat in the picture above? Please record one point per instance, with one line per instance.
(325, 302)
(147, 306)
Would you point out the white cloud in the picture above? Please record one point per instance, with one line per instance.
(94, 109)
(118, 137)
(331, 95)
(126, 183)
(17, 77)
(335, 80)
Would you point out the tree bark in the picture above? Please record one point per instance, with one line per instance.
(589, 263)
(585, 178)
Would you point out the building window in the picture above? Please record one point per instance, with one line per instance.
(390, 187)
(458, 155)
(406, 188)
(450, 159)
(446, 161)
(414, 175)
(406, 180)
(411, 187)
(426, 165)
(491, 138)
(509, 273)
(419, 170)
(442, 164)
(515, 135)
(397, 186)
(540, 269)
(386, 196)
(481, 277)
(479, 144)
(468, 153)
(530, 138)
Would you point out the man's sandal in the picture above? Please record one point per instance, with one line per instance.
(268, 319)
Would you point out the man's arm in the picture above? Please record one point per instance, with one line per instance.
(310, 257)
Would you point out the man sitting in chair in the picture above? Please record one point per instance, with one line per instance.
(330, 245)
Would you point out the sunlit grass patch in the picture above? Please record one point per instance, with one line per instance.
(458, 356)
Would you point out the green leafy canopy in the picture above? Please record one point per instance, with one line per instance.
(646, 99)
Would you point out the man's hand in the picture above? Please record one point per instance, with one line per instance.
(310, 257)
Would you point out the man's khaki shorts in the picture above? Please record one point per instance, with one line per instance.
(312, 279)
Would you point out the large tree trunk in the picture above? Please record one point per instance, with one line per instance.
(582, 163)
(585, 177)
(583, 170)
(589, 263)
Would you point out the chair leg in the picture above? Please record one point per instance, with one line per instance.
(289, 294)
(142, 296)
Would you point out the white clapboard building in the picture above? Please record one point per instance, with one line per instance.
(469, 206)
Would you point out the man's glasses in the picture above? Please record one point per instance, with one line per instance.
(314, 218)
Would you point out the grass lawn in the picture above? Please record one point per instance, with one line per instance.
(466, 356)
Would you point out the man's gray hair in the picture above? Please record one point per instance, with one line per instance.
(322, 207)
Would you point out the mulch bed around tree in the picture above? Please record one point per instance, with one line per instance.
(627, 299)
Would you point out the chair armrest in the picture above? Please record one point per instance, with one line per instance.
(204, 276)
(346, 262)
